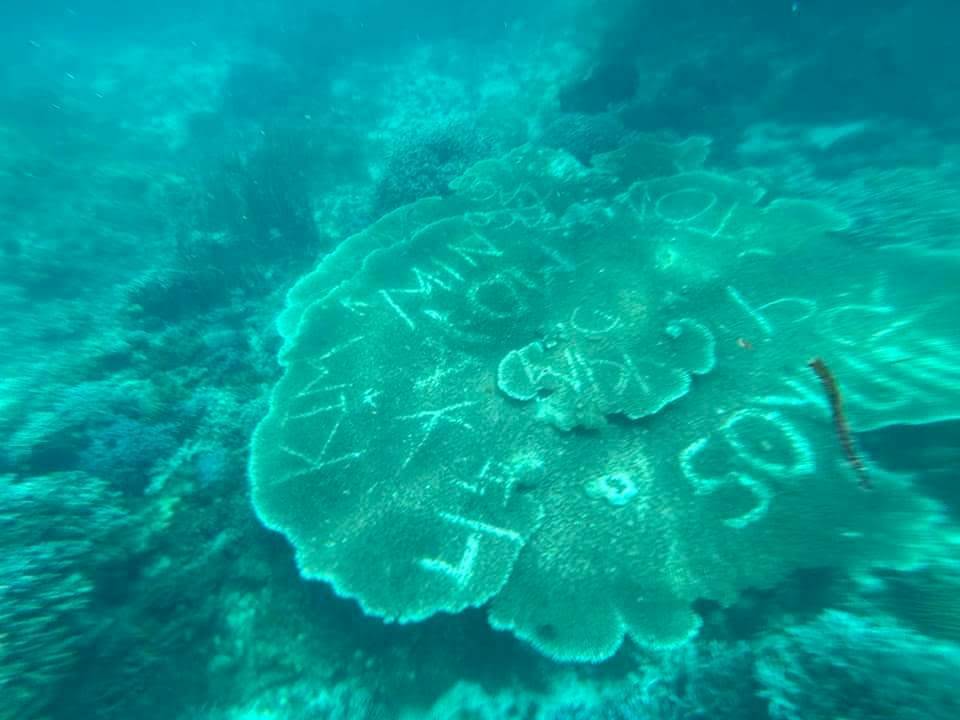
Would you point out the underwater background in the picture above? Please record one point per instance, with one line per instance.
(502, 360)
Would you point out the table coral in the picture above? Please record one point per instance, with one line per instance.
(579, 396)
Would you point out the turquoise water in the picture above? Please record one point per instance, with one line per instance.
(482, 361)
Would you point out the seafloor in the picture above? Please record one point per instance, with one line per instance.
(168, 174)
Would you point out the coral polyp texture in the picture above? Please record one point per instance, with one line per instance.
(580, 397)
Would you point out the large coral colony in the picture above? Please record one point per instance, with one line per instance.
(533, 387)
